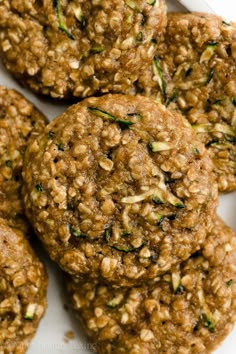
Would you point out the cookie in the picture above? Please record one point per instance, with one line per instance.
(194, 71)
(117, 187)
(23, 285)
(189, 310)
(19, 121)
(79, 48)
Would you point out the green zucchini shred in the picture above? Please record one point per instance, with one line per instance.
(195, 150)
(107, 234)
(97, 50)
(60, 147)
(207, 323)
(160, 219)
(131, 4)
(8, 163)
(234, 102)
(231, 139)
(30, 312)
(179, 205)
(160, 77)
(61, 25)
(151, 2)
(172, 98)
(179, 290)
(76, 233)
(138, 115)
(39, 187)
(229, 283)
(157, 200)
(139, 37)
(125, 249)
(210, 76)
(126, 233)
(80, 17)
(124, 124)
(208, 52)
(158, 146)
(51, 134)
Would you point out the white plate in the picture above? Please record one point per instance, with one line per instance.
(50, 336)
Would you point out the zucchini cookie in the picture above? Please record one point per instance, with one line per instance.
(78, 48)
(19, 120)
(23, 286)
(117, 187)
(189, 310)
(194, 71)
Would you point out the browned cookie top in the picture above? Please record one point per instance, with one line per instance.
(23, 284)
(19, 121)
(118, 187)
(194, 71)
(77, 48)
(188, 311)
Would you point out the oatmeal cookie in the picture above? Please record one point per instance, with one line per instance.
(194, 71)
(78, 48)
(189, 310)
(118, 187)
(23, 285)
(19, 121)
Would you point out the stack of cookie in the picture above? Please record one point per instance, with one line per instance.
(122, 188)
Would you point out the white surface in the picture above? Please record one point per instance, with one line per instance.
(49, 339)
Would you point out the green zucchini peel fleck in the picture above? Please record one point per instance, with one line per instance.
(124, 124)
(61, 24)
(159, 75)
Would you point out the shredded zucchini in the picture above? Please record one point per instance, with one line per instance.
(61, 25)
(60, 147)
(207, 322)
(224, 129)
(80, 17)
(97, 50)
(229, 283)
(157, 200)
(201, 128)
(124, 124)
(159, 76)
(115, 301)
(76, 232)
(51, 134)
(8, 163)
(39, 187)
(160, 219)
(157, 146)
(132, 4)
(123, 248)
(30, 311)
(195, 150)
(208, 52)
(107, 234)
(210, 76)
(172, 98)
(139, 37)
(176, 278)
(151, 2)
